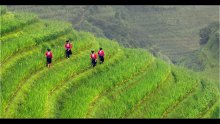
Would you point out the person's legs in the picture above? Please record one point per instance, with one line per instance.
(67, 54)
(102, 59)
(93, 62)
(49, 62)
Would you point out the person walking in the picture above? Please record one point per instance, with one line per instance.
(68, 47)
(101, 54)
(49, 56)
(93, 57)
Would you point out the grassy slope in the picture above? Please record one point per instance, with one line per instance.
(136, 26)
(170, 32)
(130, 82)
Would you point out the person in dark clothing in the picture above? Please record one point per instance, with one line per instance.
(101, 54)
(93, 57)
(68, 47)
(49, 56)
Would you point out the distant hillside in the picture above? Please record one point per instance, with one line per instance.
(131, 83)
(168, 31)
(206, 59)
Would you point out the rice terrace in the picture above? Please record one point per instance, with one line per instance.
(133, 81)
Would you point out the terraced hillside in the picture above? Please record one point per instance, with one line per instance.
(130, 84)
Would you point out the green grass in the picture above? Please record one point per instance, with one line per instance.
(93, 86)
(24, 70)
(55, 77)
(58, 52)
(111, 59)
(118, 102)
(131, 83)
(37, 36)
(198, 103)
(11, 22)
(167, 95)
(213, 112)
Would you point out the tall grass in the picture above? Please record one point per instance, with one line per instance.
(49, 32)
(112, 55)
(118, 102)
(76, 102)
(54, 78)
(169, 93)
(197, 104)
(11, 22)
(24, 68)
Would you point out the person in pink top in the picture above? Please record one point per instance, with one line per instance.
(49, 56)
(93, 57)
(68, 47)
(101, 54)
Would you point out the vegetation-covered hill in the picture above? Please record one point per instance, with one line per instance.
(132, 83)
(206, 59)
(171, 31)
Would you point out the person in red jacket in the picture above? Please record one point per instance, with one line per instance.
(93, 57)
(101, 54)
(49, 56)
(68, 47)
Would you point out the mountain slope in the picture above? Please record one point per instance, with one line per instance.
(131, 83)
(206, 59)
(169, 28)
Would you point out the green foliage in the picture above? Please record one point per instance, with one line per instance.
(37, 64)
(173, 29)
(130, 83)
(34, 35)
(94, 85)
(11, 22)
(198, 103)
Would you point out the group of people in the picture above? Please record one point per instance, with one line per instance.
(68, 47)
(93, 57)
